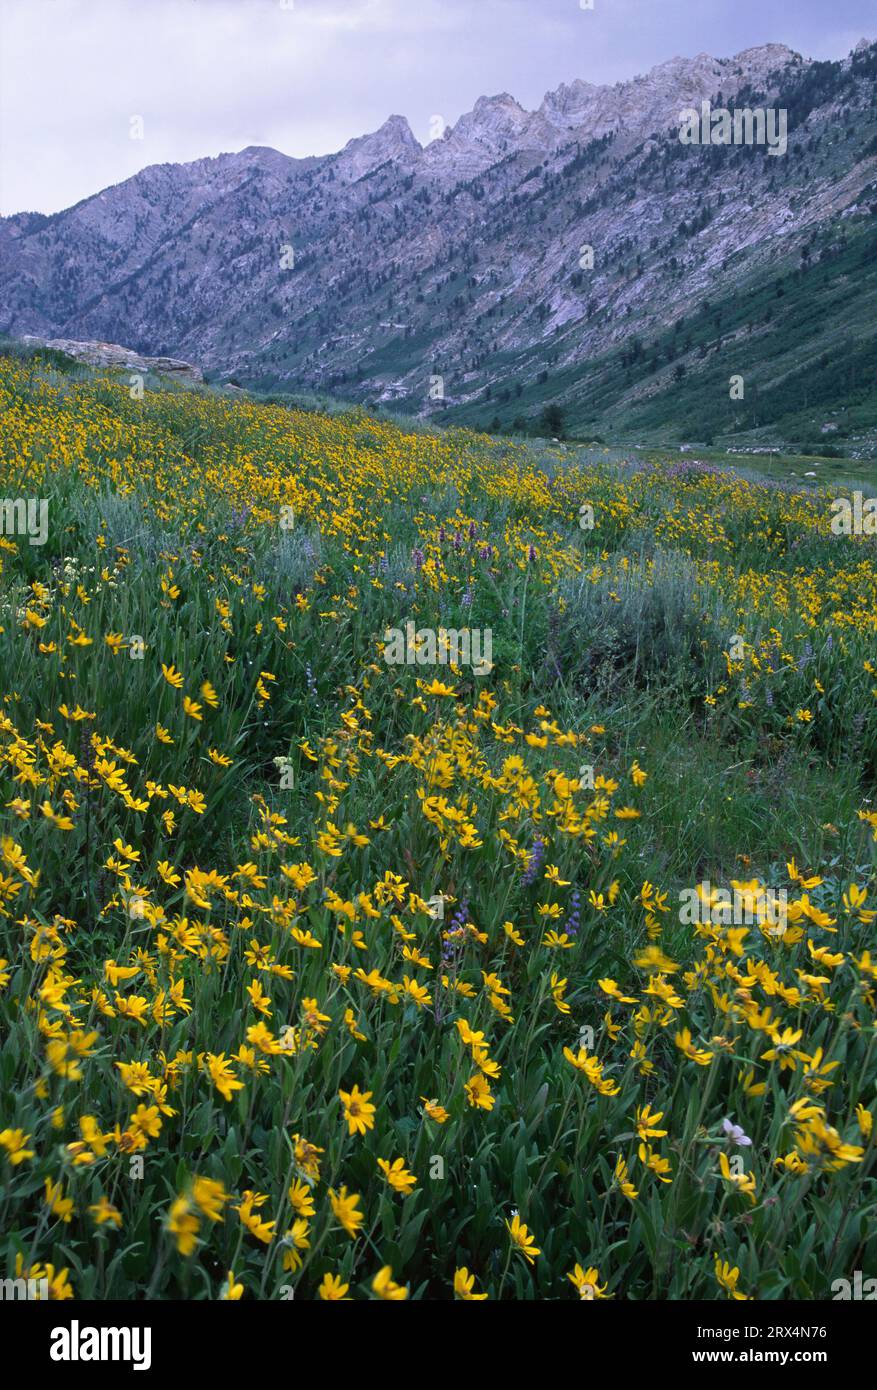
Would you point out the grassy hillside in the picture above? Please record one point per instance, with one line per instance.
(327, 974)
(803, 336)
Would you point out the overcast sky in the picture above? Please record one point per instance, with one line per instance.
(305, 76)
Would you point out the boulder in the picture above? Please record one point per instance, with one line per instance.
(113, 355)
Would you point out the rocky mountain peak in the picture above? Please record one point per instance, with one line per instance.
(394, 141)
(496, 126)
(570, 104)
(764, 59)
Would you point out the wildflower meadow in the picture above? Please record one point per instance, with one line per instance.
(432, 866)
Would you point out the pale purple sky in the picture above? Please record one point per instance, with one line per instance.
(305, 76)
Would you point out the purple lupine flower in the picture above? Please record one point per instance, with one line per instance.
(531, 554)
(534, 863)
(573, 921)
(460, 917)
(417, 559)
(449, 952)
(689, 470)
(467, 597)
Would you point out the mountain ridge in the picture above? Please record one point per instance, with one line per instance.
(460, 259)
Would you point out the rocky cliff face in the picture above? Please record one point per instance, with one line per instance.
(373, 271)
